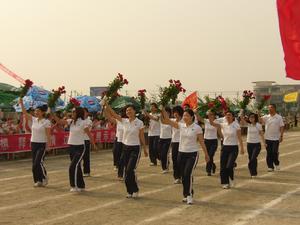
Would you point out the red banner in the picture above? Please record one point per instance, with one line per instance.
(21, 142)
(191, 100)
(289, 22)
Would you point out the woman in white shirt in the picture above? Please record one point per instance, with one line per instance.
(211, 139)
(133, 138)
(78, 129)
(118, 155)
(165, 142)
(232, 139)
(178, 114)
(153, 134)
(254, 137)
(190, 134)
(40, 142)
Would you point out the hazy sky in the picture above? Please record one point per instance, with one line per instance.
(211, 45)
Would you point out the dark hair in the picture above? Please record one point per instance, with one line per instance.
(187, 105)
(168, 110)
(123, 113)
(154, 104)
(255, 117)
(43, 108)
(191, 113)
(273, 105)
(178, 109)
(86, 109)
(79, 113)
(130, 106)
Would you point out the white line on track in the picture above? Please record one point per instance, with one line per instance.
(244, 219)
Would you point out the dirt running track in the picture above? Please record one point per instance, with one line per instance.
(272, 198)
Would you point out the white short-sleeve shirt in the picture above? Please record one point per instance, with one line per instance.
(120, 131)
(273, 124)
(165, 131)
(211, 132)
(89, 124)
(229, 132)
(253, 135)
(77, 134)
(38, 130)
(189, 137)
(176, 133)
(131, 131)
(154, 126)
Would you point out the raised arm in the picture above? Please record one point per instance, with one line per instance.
(27, 116)
(111, 113)
(108, 116)
(167, 120)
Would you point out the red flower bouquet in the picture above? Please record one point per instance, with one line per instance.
(112, 92)
(54, 96)
(142, 97)
(171, 92)
(24, 89)
(73, 103)
(263, 102)
(247, 97)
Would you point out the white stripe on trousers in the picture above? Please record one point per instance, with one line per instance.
(76, 168)
(137, 162)
(42, 163)
(192, 173)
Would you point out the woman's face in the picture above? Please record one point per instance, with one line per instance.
(153, 109)
(229, 117)
(211, 116)
(130, 112)
(74, 114)
(38, 113)
(187, 118)
(252, 119)
(176, 115)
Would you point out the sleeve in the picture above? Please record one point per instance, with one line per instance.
(141, 125)
(259, 127)
(47, 124)
(265, 118)
(237, 126)
(281, 122)
(199, 130)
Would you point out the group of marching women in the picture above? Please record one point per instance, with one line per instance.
(177, 129)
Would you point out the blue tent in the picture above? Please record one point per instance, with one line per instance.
(37, 96)
(89, 102)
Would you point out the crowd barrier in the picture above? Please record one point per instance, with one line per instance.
(21, 142)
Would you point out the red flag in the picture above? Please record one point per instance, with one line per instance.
(191, 100)
(289, 22)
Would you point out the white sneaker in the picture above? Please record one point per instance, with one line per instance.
(115, 169)
(135, 195)
(189, 200)
(231, 183)
(165, 171)
(45, 182)
(177, 181)
(270, 169)
(225, 186)
(129, 196)
(73, 189)
(184, 200)
(152, 164)
(253, 177)
(80, 189)
(86, 175)
(277, 168)
(38, 184)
